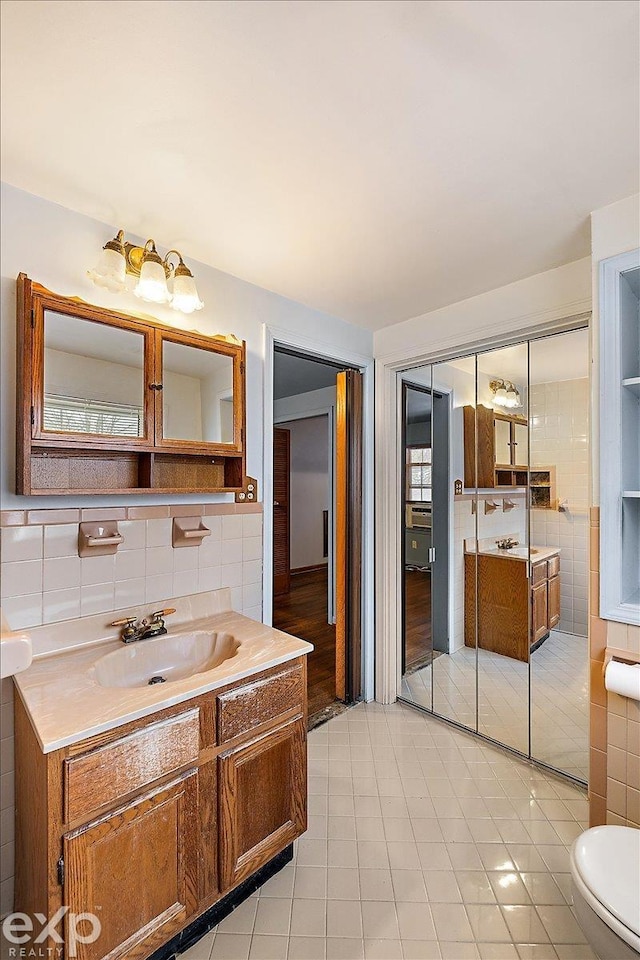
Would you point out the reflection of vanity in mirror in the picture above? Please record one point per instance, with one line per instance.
(111, 403)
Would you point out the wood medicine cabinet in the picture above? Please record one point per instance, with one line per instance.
(496, 449)
(108, 403)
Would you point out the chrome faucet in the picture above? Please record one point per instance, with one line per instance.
(507, 543)
(134, 629)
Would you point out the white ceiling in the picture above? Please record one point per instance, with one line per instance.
(375, 159)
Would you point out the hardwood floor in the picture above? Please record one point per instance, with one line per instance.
(417, 623)
(303, 613)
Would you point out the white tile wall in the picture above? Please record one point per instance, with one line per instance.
(42, 580)
(560, 438)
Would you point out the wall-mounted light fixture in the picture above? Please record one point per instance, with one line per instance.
(505, 394)
(123, 266)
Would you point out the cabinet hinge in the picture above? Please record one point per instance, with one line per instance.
(33, 318)
(33, 416)
(242, 366)
(61, 871)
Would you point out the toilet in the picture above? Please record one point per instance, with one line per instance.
(605, 870)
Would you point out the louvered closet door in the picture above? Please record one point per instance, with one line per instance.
(281, 533)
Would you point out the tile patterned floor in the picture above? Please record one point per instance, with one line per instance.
(559, 698)
(423, 843)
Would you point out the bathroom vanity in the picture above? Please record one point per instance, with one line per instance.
(497, 582)
(154, 806)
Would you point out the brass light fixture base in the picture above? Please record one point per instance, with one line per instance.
(134, 257)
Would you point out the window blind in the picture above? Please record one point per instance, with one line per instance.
(73, 415)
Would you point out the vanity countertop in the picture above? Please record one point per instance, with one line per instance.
(533, 553)
(66, 703)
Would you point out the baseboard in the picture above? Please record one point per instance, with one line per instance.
(311, 569)
(206, 921)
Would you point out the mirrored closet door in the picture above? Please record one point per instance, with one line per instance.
(495, 523)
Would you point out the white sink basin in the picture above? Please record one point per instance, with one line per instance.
(169, 657)
(15, 650)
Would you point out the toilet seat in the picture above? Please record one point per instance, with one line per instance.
(605, 863)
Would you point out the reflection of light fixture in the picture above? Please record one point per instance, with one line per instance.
(505, 394)
(158, 281)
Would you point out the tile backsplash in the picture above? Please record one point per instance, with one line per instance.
(43, 580)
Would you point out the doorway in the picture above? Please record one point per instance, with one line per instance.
(425, 574)
(316, 477)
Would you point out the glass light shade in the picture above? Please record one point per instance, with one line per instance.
(185, 295)
(109, 271)
(152, 285)
(501, 397)
(513, 397)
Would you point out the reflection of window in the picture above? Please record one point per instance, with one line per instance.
(419, 473)
(73, 415)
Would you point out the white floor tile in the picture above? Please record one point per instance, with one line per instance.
(463, 855)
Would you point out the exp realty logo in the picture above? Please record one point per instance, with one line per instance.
(29, 936)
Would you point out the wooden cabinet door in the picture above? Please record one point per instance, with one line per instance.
(136, 870)
(520, 444)
(199, 393)
(262, 800)
(554, 602)
(502, 439)
(539, 626)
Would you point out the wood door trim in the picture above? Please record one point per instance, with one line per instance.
(341, 535)
(348, 535)
(282, 580)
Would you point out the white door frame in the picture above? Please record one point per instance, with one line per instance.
(389, 465)
(277, 336)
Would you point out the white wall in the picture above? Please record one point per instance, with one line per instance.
(66, 375)
(310, 489)
(217, 405)
(310, 404)
(546, 296)
(56, 246)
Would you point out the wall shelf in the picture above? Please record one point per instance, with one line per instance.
(619, 438)
(542, 485)
(632, 384)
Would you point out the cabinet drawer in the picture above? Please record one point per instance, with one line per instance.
(101, 777)
(242, 710)
(538, 572)
(553, 567)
